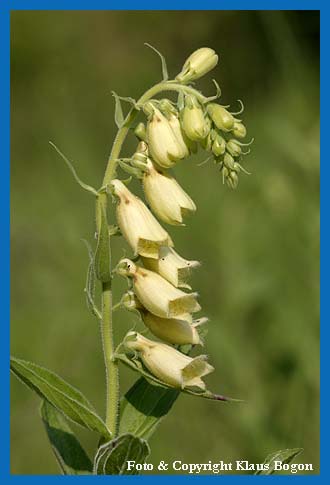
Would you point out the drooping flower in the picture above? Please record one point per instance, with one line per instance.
(165, 196)
(198, 63)
(137, 224)
(164, 137)
(172, 267)
(175, 331)
(156, 294)
(168, 364)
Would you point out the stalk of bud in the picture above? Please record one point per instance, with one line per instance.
(198, 63)
(172, 267)
(164, 137)
(165, 196)
(222, 119)
(156, 294)
(137, 224)
(168, 364)
(195, 124)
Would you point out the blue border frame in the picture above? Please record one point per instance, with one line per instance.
(5, 8)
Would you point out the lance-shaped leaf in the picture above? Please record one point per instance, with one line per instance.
(102, 253)
(163, 61)
(111, 458)
(69, 453)
(60, 394)
(282, 456)
(90, 283)
(144, 406)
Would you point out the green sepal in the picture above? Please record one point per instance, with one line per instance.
(144, 406)
(70, 455)
(112, 457)
(64, 397)
(284, 456)
(119, 116)
(102, 258)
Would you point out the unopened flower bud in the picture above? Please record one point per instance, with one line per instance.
(222, 119)
(194, 122)
(229, 162)
(140, 132)
(156, 294)
(233, 177)
(172, 267)
(165, 196)
(168, 364)
(140, 157)
(165, 140)
(219, 146)
(239, 130)
(198, 63)
(130, 302)
(137, 224)
(233, 148)
(172, 330)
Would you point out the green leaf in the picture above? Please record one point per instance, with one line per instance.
(102, 254)
(111, 458)
(163, 61)
(60, 394)
(283, 456)
(144, 406)
(87, 187)
(68, 452)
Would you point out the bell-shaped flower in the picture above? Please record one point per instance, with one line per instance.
(156, 294)
(198, 63)
(137, 224)
(130, 302)
(172, 267)
(168, 364)
(175, 331)
(222, 119)
(194, 122)
(165, 196)
(165, 140)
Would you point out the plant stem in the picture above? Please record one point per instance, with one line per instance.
(111, 365)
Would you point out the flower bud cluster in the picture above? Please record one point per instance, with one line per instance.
(159, 275)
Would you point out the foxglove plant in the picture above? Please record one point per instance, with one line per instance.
(157, 275)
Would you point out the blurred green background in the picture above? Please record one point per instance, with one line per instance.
(259, 245)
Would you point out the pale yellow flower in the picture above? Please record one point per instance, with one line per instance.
(156, 294)
(137, 224)
(171, 266)
(165, 196)
(168, 364)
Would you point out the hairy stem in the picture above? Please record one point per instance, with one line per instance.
(111, 365)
